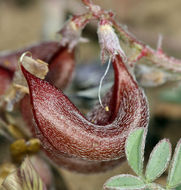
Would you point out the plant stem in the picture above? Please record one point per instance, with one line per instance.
(157, 57)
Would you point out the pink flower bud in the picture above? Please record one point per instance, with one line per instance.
(109, 41)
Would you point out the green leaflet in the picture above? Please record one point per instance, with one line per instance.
(124, 182)
(135, 149)
(174, 176)
(158, 160)
(178, 188)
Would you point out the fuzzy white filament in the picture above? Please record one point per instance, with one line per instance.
(101, 81)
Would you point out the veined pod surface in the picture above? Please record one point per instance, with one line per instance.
(64, 131)
(61, 67)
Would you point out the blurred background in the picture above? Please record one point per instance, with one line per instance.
(23, 22)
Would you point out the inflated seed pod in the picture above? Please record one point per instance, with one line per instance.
(64, 131)
(43, 51)
(5, 79)
(61, 67)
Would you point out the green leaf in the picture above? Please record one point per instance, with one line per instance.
(135, 144)
(178, 188)
(158, 160)
(174, 176)
(124, 182)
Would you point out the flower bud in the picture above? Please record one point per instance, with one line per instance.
(109, 41)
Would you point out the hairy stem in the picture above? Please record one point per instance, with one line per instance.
(156, 58)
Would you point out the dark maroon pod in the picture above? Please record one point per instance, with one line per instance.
(61, 67)
(5, 79)
(9, 60)
(43, 51)
(83, 166)
(61, 61)
(64, 131)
